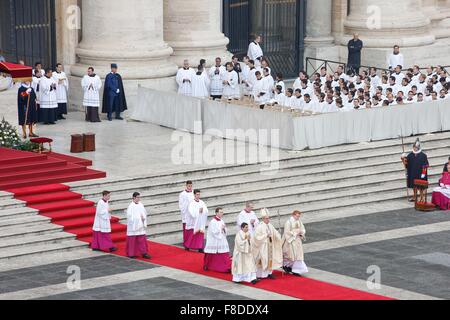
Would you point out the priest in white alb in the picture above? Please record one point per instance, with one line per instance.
(137, 229)
(217, 251)
(184, 79)
(200, 84)
(101, 231)
(48, 101)
(293, 256)
(196, 224)
(91, 85)
(231, 88)
(249, 217)
(266, 247)
(184, 199)
(255, 52)
(62, 90)
(243, 267)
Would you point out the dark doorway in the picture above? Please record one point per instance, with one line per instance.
(27, 31)
(280, 22)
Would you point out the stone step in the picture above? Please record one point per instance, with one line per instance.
(339, 170)
(20, 220)
(28, 229)
(311, 214)
(43, 239)
(226, 197)
(441, 142)
(320, 202)
(37, 249)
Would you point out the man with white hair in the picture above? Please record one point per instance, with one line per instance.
(184, 79)
(266, 247)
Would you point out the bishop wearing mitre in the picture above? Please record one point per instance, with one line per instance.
(293, 256)
(266, 247)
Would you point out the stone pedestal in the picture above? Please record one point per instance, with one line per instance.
(129, 33)
(193, 29)
(384, 23)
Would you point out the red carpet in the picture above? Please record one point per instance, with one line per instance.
(36, 179)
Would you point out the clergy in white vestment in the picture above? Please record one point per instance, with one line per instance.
(249, 217)
(255, 51)
(137, 229)
(217, 251)
(250, 82)
(62, 90)
(91, 85)
(48, 100)
(196, 224)
(396, 58)
(38, 67)
(217, 75)
(441, 195)
(261, 90)
(200, 84)
(35, 84)
(293, 256)
(269, 80)
(266, 247)
(243, 267)
(101, 230)
(184, 199)
(184, 79)
(231, 88)
(245, 75)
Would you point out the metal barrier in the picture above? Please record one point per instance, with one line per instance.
(315, 65)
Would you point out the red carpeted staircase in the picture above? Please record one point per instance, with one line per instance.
(36, 180)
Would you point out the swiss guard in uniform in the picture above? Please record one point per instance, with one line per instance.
(114, 100)
(27, 109)
(416, 164)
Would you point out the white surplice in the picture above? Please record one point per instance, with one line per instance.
(200, 85)
(216, 238)
(231, 89)
(247, 217)
(47, 93)
(184, 199)
(102, 220)
(195, 220)
(91, 87)
(136, 219)
(184, 80)
(255, 52)
(217, 75)
(62, 88)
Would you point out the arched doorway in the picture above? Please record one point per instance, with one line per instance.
(27, 31)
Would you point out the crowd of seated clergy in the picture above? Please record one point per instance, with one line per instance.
(323, 92)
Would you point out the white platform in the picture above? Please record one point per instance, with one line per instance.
(284, 130)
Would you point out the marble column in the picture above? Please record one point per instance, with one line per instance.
(68, 19)
(192, 28)
(384, 23)
(319, 42)
(129, 33)
(318, 23)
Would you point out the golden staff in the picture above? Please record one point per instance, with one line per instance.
(26, 111)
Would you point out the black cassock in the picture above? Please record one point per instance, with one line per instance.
(354, 53)
(22, 102)
(416, 163)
